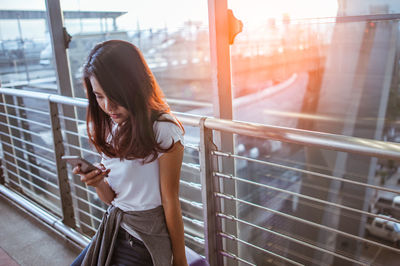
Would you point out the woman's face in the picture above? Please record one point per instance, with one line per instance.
(117, 113)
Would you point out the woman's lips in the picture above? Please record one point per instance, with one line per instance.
(115, 116)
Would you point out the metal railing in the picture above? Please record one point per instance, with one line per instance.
(35, 134)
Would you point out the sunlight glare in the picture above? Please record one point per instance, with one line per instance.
(256, 11)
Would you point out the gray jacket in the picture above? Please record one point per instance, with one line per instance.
(150, 225)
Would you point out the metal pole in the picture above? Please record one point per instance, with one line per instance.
(58, 33)
(62, 174)
(209, 185)
(222, 99)
(60, 54)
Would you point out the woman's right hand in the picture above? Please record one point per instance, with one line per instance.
(92, 178)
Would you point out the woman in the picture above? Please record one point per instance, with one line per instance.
(141, 144)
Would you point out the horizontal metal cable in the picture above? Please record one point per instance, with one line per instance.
(196, 186)
(234, 238)
(34, 175)
(37, 156)
(49, 205)
(192, 203)
(195, 238)
(311, 186)
(21, 129)
(32, 165)
(80, 148)
(318, 187)
(319, 167)
(75, 134)
(26, 120)
(91, 216)
(71, 119)
(87, 202)
(315, 205)
(302, 196)
(26, 108)
(232, 218)
(193, 221)
(30, 183)
(234, 257)
(28, 142)
(191, 166)
(84, 189)
(320, 226)
(307, 172)
(192, 146)
(84, 223)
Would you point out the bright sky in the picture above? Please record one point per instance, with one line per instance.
(256, 11)
(172, 13)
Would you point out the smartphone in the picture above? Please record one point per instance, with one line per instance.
(75, 160)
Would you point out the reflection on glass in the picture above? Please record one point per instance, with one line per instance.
(23, 39)
(176, 48)
(173, 36)
(327, 66)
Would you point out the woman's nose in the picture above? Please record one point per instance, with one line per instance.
(109, 105)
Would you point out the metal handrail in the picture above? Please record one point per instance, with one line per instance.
(327, 141)
(45, 217)
(363, 146)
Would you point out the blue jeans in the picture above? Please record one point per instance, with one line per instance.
(128, 251)
(79, 259)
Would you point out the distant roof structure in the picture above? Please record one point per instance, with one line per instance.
(39, 14)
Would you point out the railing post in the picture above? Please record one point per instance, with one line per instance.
(220, 58)
(209, 184)
(62, 174)
(55, 22)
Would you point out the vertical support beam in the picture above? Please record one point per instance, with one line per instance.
(222, 99)
(209, 185)
(65, 88)
(60, 54)
(63, 183)
(220, 58)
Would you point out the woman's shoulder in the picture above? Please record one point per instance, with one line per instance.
(167, 128)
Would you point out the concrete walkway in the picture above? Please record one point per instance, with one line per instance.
(27, 242)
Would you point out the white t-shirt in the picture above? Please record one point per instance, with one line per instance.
(137, 185)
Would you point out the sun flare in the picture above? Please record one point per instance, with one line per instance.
(255, 11)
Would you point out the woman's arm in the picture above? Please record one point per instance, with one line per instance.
(170, 168)
(96, 179)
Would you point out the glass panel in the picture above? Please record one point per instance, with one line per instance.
(328, 66)
(175, 45)
(173, 36)
(28, 156)
(24, 40)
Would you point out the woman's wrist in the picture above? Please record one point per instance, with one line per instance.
(180, 262)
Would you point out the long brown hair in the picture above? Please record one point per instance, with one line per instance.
(125, 78)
